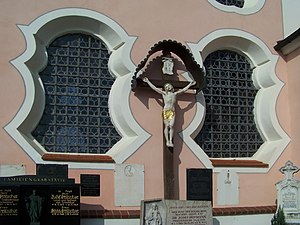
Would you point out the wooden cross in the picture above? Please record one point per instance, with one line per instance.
(168, 46)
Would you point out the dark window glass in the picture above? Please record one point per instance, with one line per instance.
(237, 3)
(229, 129)
(77, 85)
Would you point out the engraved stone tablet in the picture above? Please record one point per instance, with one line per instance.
(90, 184)
(199, 184)
(63, 205)
(129, 184)
(176, 212)
(228, 188)
(9, 205)
(288, 193)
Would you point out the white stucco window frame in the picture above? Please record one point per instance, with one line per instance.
(38, 35)
(250, 7)
(263, 63)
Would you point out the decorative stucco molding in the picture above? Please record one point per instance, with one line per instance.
(38, 35)
(263, 64)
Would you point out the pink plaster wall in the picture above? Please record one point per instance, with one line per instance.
(152, 21)
(293, 71)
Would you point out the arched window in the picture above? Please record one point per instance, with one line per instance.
(77, 84)
(74, 118)
(237, 3)
(229, 129)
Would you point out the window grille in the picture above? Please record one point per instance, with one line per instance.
(229, 129)
(237, 3)
(77, 85)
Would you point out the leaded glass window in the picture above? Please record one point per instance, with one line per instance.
(229, 129)
(77, 85)
(237, 3)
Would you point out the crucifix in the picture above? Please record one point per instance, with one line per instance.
(168, 114)
(166, 87)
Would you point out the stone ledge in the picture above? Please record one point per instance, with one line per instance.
(77, 158)
(238, 163)
(133, 214)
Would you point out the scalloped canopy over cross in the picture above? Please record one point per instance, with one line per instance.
(167, 47)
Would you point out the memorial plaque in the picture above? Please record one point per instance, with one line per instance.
(129, 184)
(199, 184)
(90, 184)
(289, 198)
(64, 205)
(47, 205)
(176, 212)
(54, 170)
(9, 205)
(39, 200)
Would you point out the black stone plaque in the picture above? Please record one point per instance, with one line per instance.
(90, 184)
(39, 200)
(33, 204)
(53, 170)
(64, 205)
(199, 184)
(48, 205)
(9, 205)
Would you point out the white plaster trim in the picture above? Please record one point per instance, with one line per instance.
(38, 35)
(258, 219)
(264, 78)
(193, 129)
(250, 7)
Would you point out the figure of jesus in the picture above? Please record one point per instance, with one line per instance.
(169, 99)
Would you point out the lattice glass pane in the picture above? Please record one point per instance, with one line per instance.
(229, 129)
(237, 3)
(77, 85)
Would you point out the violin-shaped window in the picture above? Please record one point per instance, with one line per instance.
(77, 84)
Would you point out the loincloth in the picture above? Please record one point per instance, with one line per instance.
(168, 114)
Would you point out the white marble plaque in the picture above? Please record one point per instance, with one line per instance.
(12, 170)
(289, 198)
(129, 184)
(228, 188)
(176, 212)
